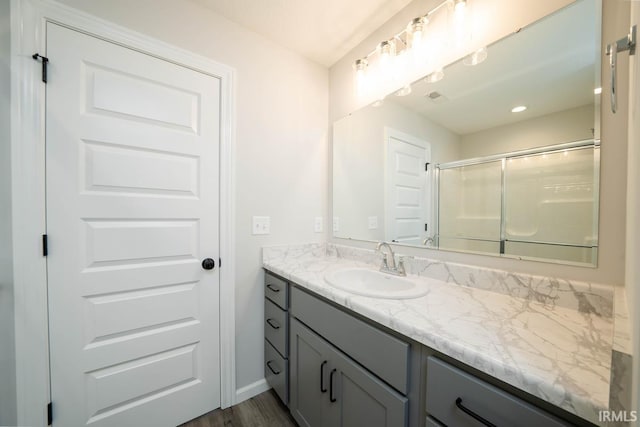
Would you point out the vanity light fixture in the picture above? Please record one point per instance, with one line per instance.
(420, 47)
(360, 66)
(519, 109)
(415, 31)
(436, 76)
(476, 57)
(459, 5)
(406, 90)
(387, 50)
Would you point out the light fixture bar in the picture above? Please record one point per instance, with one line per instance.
(402, 35)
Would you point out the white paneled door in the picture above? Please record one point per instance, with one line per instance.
(408, 207)
(132, 145)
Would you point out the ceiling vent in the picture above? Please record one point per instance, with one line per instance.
(436, 97)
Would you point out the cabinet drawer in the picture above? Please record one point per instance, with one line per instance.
(276, 290)
(447, 385)
(432, 423)
(381, 353)
(276, 328)
(276, 371)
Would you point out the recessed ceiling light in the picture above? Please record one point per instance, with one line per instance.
(597, 91)
(518, 109)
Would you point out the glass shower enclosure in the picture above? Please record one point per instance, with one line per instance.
(535, 204)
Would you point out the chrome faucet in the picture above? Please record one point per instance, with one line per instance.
(389, 261)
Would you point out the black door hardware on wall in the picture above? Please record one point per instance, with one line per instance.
(45, 245)
(45, 63)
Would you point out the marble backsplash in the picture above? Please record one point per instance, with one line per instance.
(581, 296)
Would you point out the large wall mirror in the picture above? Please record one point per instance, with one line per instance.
(454, 165)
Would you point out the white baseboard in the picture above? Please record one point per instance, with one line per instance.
(253, 389)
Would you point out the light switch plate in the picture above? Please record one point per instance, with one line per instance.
(373, 222)
(336, 224)
(261, 225)
(317, 224)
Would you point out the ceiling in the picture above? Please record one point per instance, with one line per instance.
(321, 30)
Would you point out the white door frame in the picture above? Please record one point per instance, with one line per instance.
(28, 25)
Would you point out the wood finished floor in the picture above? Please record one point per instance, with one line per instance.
(263, 410)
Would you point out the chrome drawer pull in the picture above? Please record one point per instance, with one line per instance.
(473, 414)
(273, 324)
(273, 288)
(271, 368)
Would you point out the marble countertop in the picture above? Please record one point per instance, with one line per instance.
(555, 352)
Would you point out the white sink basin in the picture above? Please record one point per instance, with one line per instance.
(371, 283)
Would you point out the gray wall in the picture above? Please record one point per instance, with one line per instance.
(7, 353)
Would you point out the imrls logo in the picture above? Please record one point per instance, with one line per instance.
(620, 416)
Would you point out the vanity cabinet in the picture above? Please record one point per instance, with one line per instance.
(336, 368)
(276, 335)
(344, 372)
(456, 398)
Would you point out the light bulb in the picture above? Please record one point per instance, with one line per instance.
(416, 29)
(460, 24)
(518, 109)
(476, 57)
(435, 76)
(386, 50)
(361, 67)
(597, 91)
(406, 90)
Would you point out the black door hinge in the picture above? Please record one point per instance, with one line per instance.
(219, 262)
(426, 166)
(45, 63)
(45, 245)
(49, 414)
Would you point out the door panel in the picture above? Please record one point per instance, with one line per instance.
(362, 399)
(407, 189)
(132, 209)
(308, 353)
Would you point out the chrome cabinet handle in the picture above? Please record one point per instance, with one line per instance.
(473, 414)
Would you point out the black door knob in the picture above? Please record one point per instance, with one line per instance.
(208, 264)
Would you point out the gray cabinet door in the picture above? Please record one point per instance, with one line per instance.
(308, 360)
(329, 389)
(358, 398)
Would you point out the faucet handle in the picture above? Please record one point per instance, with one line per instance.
(385, 261)
(400, 267)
